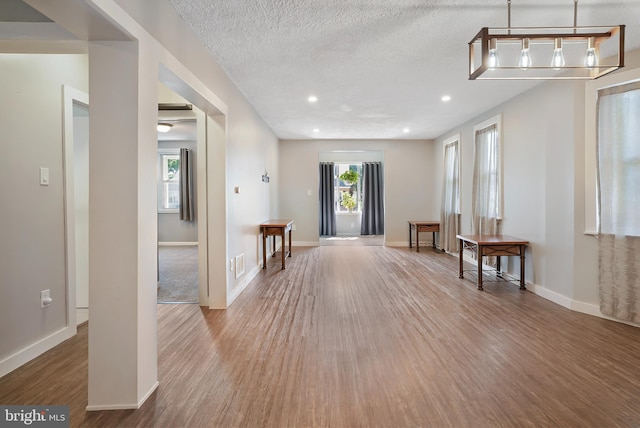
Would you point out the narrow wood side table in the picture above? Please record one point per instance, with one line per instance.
(422, 226)
(275, 228)
(493, 245)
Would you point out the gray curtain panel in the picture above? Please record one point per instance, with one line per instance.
(619, 276)
(327, 199)
(372, 199)
(187, 197)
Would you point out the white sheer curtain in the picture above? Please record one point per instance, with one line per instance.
(450, 206)
(618, 200)
(486, 201)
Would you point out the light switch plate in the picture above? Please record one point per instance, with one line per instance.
(44, 176)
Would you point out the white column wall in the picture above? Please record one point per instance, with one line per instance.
(122, 232)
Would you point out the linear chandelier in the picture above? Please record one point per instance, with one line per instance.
(546, 53)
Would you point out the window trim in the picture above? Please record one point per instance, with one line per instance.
(590, 140)
(160, 182)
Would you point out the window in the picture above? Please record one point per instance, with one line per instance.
(450, 206)
(486, 209)
(619, 159)
(348, 194)
(169, 180)
(592, 88)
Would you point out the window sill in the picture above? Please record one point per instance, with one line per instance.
(350, 214)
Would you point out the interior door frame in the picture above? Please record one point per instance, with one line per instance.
(70, 96)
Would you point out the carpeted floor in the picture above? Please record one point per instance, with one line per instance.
(178, 274)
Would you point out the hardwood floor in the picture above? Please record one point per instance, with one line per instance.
(366, 337)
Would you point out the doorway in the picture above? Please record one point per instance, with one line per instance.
(178, 263)
(344, 204)
(76, 195)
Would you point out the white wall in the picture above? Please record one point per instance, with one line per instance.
(250, 148)
(32, 254)
(409, 188)
(544, 175)
(32, 232)
(537, 143)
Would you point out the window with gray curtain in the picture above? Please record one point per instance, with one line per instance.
(450, 205)
(372, 222)
(326, 193)
(187, 197)
(618, 147)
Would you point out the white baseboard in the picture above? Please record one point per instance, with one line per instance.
(550, 295)
(305, 243)
(82, 315)
(32, 351)
(97, 407)
(242, 284)
(396, 244)
(176, 244)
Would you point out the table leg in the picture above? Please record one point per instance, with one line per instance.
(479, 251)
(264, 249)
(433, 243)
(522, 282)
(498, 267)
(410, 237)
(273, 246)
(417, 239)
(282, 243)
(461, 271)
(290, 242)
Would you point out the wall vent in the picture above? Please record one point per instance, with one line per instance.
(239, 265)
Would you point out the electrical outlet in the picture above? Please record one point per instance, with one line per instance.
(293, 227)
(45, 298)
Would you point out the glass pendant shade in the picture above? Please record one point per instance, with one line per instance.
(591, 58)
(557, 60)
(493, 55)
(525, 56)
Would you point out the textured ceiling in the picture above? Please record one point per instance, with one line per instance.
(376, 66)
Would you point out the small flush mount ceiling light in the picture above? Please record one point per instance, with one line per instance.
(312, 98)
(316, 130)
(164, 127)
(446, 98)
(559, 52)
(406, 130)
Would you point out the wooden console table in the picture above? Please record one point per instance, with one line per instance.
(493, 245)
(422, 226)
(275, 228)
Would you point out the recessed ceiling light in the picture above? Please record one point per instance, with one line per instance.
(446, 98)
(312, 98)
(315, 131)
(406, 130)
